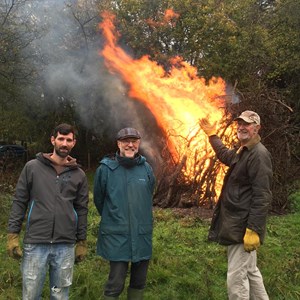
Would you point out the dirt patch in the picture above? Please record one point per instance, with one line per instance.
(193, 212)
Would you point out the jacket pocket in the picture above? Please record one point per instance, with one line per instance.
(232, 230)
(145, 229)
(113, 242)
(114, 228)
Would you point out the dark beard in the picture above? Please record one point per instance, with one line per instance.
(61, 154)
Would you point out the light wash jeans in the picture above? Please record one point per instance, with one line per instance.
(37, 260)
(244, 280)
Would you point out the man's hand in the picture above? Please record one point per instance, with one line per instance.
(207, 127)
(251, 240)
(13, 246)
(80, 251)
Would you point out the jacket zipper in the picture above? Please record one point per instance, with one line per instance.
(53, 226)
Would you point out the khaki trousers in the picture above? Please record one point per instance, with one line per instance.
(244, 280)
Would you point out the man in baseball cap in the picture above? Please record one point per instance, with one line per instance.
(248, 125)
(239, 219)
(249, 116)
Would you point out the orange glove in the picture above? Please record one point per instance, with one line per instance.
(13, 246)
(80, 251)
(207, 127)
(251, 240)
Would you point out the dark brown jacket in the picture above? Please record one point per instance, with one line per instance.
(246, 192)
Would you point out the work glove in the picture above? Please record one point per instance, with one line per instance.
(207, 127)
(251, 240)
(80, 251)
(13, 246)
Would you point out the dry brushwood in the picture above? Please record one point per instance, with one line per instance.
(280, 134)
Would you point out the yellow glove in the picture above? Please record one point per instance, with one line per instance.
(251, 240)
(80, 251)
(207, 127)
(13, 247)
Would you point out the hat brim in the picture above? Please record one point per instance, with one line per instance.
(247, 120)
(128, 137)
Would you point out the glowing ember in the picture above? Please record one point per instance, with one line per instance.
(177, 99)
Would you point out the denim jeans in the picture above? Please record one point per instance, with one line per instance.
(117, 275)
(37, 260)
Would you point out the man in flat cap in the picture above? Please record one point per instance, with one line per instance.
(123, 190)
(239, 219)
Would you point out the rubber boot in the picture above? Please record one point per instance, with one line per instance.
(110, 297)
(134, 294)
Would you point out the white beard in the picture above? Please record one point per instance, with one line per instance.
(243, 136)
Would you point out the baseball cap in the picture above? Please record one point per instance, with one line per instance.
(249, 116)
(128, 132)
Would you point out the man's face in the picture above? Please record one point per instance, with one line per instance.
(129, 147)
(246, 131)
(63, 144)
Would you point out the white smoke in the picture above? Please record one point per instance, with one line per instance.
(66, 56)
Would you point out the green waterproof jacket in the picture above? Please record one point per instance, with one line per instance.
(123, 190)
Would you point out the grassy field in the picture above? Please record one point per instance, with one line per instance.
(184, 265)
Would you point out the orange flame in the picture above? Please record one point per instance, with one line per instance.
(177, 98)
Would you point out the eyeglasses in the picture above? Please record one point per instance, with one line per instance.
(128, 141)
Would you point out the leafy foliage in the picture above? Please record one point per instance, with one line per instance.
(50, 70)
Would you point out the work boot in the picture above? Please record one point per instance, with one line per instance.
(135, 294)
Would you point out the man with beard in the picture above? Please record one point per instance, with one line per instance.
(239, 219)
(123, 189)
(52, 189)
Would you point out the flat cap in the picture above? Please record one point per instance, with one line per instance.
(128, 132)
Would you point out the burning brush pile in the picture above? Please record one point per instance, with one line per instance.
(190, 174)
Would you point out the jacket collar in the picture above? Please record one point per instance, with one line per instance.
(254, 141)
(113, 160)
(250, 144)
(46, 159)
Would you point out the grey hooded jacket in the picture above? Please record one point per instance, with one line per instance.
(56, 204)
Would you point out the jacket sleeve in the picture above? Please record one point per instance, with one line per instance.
(151, 176)
(224, 154)
(20, 201)
(99, 188)
(81, 208)
(260, 173)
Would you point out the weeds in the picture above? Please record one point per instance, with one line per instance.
(184, 264)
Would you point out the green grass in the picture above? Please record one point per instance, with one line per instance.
(184, 264)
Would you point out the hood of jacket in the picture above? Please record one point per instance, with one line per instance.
(113, 161)
(46, 159)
